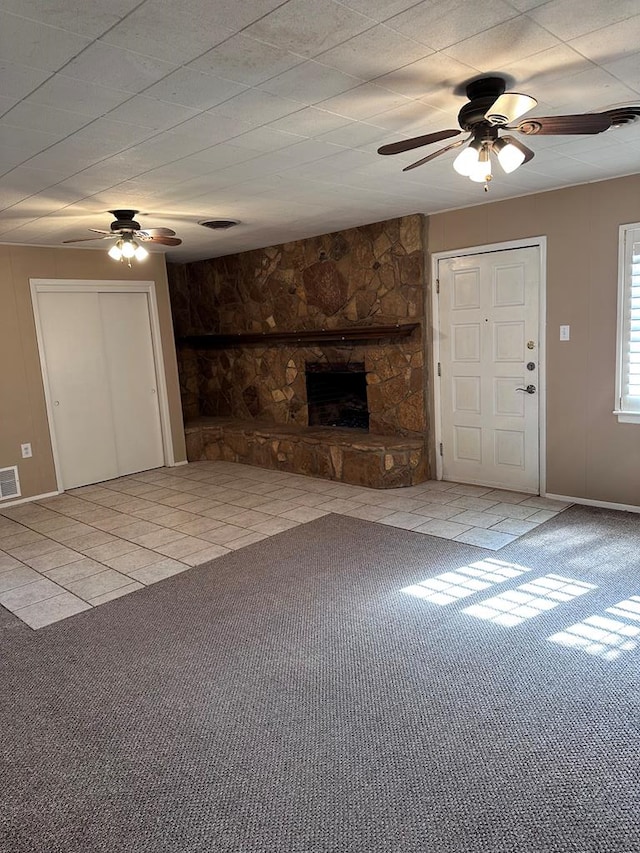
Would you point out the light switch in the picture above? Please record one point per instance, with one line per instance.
(564, 333)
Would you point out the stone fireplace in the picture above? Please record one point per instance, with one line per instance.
(267, 336)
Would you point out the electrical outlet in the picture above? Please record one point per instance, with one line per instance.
(26, 451)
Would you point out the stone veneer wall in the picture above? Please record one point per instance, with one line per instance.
(367, 276)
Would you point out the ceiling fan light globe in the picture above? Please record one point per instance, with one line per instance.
(115, 252)
(481, 171)
(510, 157)
(466, 161)
(141, 253)
(129, 249)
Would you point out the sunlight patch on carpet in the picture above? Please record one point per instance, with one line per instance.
(531, 599)
(449, 587)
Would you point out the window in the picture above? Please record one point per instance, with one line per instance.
(628, 367)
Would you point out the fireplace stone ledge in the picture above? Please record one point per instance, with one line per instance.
(346, 455)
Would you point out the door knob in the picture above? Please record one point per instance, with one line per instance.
(530, 389)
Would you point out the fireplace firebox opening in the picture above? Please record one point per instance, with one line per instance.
(337, 395)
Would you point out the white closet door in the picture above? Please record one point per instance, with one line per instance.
(126, 332)
(78, 385)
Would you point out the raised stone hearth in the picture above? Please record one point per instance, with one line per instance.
(350, 456)
(364, 278)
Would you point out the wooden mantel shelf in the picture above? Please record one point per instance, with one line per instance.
(306, 336)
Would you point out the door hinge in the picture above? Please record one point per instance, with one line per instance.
(437, 285)
(439, 369)
(440, 448)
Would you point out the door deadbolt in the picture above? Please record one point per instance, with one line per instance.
(531, 365)
(530, 389)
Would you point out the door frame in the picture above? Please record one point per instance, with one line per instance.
(52, 285)
(541, 244)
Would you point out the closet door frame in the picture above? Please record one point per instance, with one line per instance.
(49, 285)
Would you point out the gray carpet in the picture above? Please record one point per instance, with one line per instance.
(290, 697)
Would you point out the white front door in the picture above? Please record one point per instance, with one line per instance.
(487, 348)
(102, 386)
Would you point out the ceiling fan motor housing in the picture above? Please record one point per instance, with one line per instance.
(482, 95)
(124, 220)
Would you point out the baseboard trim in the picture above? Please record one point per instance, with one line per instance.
(28, 500)
(179, 464)
(587, 502)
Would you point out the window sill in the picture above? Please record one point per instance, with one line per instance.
(627, 417)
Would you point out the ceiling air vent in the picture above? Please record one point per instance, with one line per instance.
(218, 224)
(9, 483)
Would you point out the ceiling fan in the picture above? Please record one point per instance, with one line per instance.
(128, 235)
(490, 111)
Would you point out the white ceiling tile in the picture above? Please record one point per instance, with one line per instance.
(310, 122)
(373, 53)
(309, 27)
(429, 76)
(489, 50)
(108, 136)
(25, 141)
(255, 108)
(150, 112)
(78, 96)
(569, 19)
(218, 156)
(33, 116)
(545, 68)
(6, 104)
(231, 13)
(611, 43)
(414, 118)
(627, 69)
(447, 22)
(599, 90)
(18, 80)
(37, 45)
(122, 69)
(65, 156)
(378, 10)
(193, 88)
(87, 17)
(265, 139)
(22, 182)
(356, 134)
(206, 130)
(310, 83)
(246, 60)
(364, 101)
(169, 31)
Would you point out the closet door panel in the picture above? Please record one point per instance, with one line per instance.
(78, 379)
(135, 413)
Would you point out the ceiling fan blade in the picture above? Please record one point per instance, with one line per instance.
(99, 231)
(166, 241)
(417, 141)
(435, 154)
(156, 232)
(508, 107)
(84, 239)
(565, 125)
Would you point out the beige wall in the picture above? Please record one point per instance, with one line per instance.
(23, 416)
(589, 454)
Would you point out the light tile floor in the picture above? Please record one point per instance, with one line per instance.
(77, 550)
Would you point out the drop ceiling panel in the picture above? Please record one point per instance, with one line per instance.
(271, 112)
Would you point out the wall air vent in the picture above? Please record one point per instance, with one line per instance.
(218, 224)
(9, 483)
